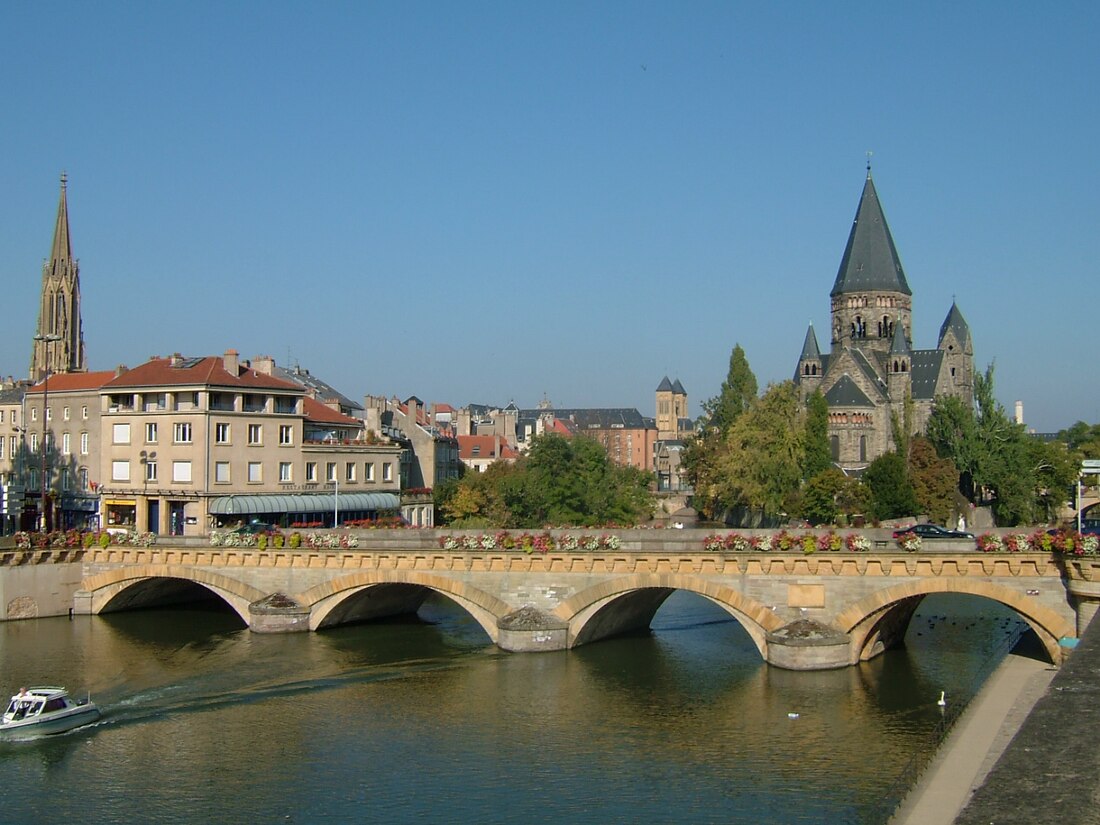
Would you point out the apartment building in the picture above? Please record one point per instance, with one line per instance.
(191, 443)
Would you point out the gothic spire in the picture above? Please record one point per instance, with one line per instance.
(870, 262)
(62, 251)
(59, 337)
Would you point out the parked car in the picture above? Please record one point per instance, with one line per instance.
(933, 531)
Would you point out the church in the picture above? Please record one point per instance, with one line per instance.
(872, 366)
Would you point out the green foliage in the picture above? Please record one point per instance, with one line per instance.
(760, 461)
(560, 481)
(818, 455)
(819, 496)
(1082, 439)
(891, 492)
(739, 391)
(1023, 479)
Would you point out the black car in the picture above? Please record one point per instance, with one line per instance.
(933, 531)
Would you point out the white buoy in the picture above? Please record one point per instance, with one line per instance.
(942, 702)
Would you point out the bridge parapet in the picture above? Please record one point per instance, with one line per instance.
(584, 595)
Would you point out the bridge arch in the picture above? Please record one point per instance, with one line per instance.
(865, 619)
(323, 599)
(583, 607)
(106, 587)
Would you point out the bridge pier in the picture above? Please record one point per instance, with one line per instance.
(1083, 584)
(278, 613)
(528, 630)
(808, 645)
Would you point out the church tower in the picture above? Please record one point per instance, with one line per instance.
(672, 405)
(870, 295)
(59, 338)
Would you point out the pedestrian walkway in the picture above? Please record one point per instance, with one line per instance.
(1050, 772)
(975, 742)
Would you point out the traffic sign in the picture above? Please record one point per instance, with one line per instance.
(1090, 464)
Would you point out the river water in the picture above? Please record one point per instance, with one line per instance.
(424, 721)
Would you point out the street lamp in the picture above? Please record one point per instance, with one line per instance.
(47, 340)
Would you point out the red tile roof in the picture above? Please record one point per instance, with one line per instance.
(319, 413)
(207, 372)
(75, 381)
(489, 446)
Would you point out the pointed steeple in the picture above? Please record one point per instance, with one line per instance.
(900, 344)
(810, 350)
(954, 322)
(870, 262)
(59, 337)
(62, 252)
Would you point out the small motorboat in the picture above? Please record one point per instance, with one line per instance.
(40, 711)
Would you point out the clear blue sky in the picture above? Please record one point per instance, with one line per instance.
(485, 202)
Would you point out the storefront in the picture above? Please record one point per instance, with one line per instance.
(121, 513)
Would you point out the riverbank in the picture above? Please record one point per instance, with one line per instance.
(976, 741)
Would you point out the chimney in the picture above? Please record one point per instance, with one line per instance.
(264, 364)
(232, 362)
(1019, 412)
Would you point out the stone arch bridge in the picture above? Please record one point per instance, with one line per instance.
(818, 611)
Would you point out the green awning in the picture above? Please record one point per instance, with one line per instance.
(305, 503)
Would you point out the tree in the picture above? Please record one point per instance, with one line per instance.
(760, 461)
(891, 492)
(819, 456)
(935, 480)
(999, 463)
(819, 496)
(559, 482)
(953, 431)
(738, 392)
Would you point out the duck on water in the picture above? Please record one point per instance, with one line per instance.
(40, 711)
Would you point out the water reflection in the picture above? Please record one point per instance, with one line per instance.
(425, 720)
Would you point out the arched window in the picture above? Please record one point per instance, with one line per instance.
(863, 448)
(834, 447)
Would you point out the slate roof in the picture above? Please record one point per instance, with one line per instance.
(810, 351)
(678, 388)
(899, 346)
(870, 262)
(846, 393)
(592, 419)
(321, 389)
(870, 371)
(957, 324)
(665, 385)
(924, 371)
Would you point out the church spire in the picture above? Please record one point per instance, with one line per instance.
(59, 338)
(870, 261)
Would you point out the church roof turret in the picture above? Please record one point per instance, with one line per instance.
(810, 350)
(678, 388)
(870, 260)
(665, 385)
(899, 345)
(956, 324)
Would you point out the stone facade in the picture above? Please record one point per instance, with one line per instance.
(872, 369)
